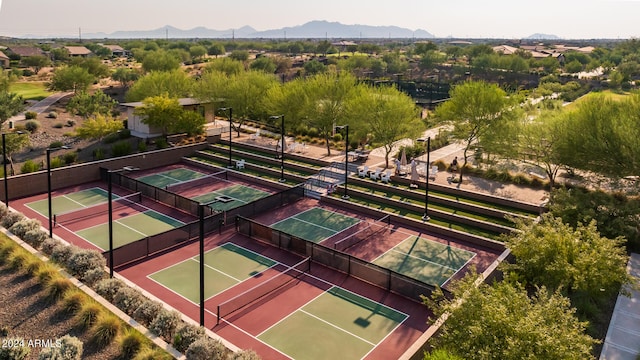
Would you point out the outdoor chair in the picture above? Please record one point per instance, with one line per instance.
(386, 177)
(363, 172)
(240, 164)
(256, 135)
(433, 172)
(375, 175)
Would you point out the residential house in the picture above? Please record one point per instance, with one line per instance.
(117, 50)
(4, 61)
(144, 131)
(26, 51)
(78, 51)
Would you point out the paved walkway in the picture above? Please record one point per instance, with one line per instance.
(42, 105)
(623, 338)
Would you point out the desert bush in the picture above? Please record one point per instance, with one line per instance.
(124, 133)
(164, 325)
(161, 143)
(47, 273)
(17, 350)
(29, 115)
(73, 299)
(98, 154)
(70, 349)
(57, 287)
(105, 329)
(127, 299)
(107, 288)
(56, 162)
(70, 157)
(84, 260)
(32, 126)
(32, 265)
(186, 334)
(61, 253)
(313, 132)
(152, 354)
(6, 248)
(206, 348)
(29, 166)
(244, 355)
(142, 146)
(56, 144)
(35, 237)
(88, 314)
(147, 311)
(58, 125)
(93, 276)
(21, 227)
(17, 259)
(130, 342)
(111, 138)
(52, 115)
(71, 123)
(10, 219)
(48, 245)
(3, 210)
(121, 149)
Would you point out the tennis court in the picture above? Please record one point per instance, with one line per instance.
(225, 266)
(315, 224)
(426, 260)
(70, 202)
(231, 197)
(337, 324)
(170, 177)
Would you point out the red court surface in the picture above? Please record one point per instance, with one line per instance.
(242, 327)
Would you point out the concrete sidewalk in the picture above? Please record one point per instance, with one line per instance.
(623, 338)
(41, 106)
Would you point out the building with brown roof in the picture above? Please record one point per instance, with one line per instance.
(26, 51)
(78, 51)
(4, 60)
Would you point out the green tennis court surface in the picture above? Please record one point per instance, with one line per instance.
(315, 224)
(231, 197)
(338, 324)
(225, 266)
(70, 202)
(169, 177)
(425, 260)
(129, 229)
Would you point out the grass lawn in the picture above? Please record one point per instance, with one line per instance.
(609, 94)
(30, 90)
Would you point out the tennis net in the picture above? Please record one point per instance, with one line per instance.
(208, 179)
(365, 230)
(261, 290)
(120, 202)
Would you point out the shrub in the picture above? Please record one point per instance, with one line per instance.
(73, 299)
(111, 138)
(32, 126)
(186, 334)
(47, 273)
(35, 237)
(93, 276)
(142, 146)
(70, 157)
(105, 329)
(88, 314)
(147, 311)
(17, 351)
(29, 166)
(56, 144)
(244, 355)
(121, 149)
(61, 253)
(127, 299)
(32, 265)
(84, 260)
(107, 288)
(161, 143)
(56, 162)
(206, 348)
(6, 248)
(71, 123)
(130, 343)
(58, 125)
(57, 287)
(48, 245)
(29, 115)
(164, 325)
(70, 349)
(337, 137)
(17, 259)
(98, 154)
(152, 354)
(52, 115)
(3, 210)
(124, 134)
(10, 219)
(21, 227)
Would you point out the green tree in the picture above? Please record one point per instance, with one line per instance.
(573, 67)
(314, 67)
(244, 93)
(160, 111)
(264, 64)
(86, 104)
(383, 115)
(289, 99)
(239, 55)
(500, 321)
(15, 143)
(10, 104)
(474, 108)
(197, 51)
(176, 84)
(36, 62)
(189, 122)
(71, 78)
(225, 65)
(125, 76)
(216, 50)
(93, 65)
(160, 61)
(99, 126)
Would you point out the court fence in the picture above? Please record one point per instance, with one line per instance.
(337, 260)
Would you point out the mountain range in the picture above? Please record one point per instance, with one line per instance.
(313, 29)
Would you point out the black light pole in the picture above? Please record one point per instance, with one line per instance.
(230, 132)
(426, 217)
(346, 159)
(281, 117)
(49, 151)
(4, 164)
(110, 221)
(201, 216)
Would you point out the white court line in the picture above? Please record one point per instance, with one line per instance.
(337, 327)
(421, 259)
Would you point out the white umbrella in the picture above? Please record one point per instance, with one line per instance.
(414, 172)
(403, 158)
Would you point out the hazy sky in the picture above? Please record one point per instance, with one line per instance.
(571, 19)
